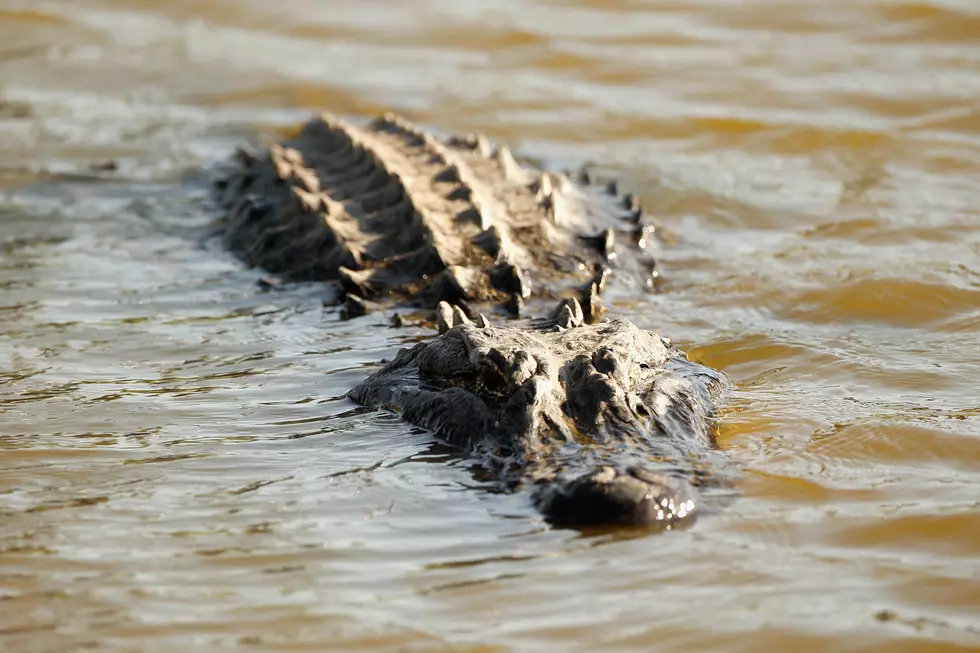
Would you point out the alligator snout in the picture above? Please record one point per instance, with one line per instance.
(632, 496)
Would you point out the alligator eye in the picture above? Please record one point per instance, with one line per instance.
(492, 376)
(492, 379)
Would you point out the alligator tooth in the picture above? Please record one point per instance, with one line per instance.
(585, 177)
(444, 317)
(629, 202)
(481, 321)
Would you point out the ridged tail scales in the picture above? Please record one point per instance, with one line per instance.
(393, 212)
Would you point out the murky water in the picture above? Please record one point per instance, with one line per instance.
(178, 465)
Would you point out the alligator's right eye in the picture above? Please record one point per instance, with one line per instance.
(492, 377)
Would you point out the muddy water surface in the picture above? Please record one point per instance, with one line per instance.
(179, 469)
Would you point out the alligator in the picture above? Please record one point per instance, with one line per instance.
(606, 422)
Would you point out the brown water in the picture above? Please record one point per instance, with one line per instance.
(179, 470)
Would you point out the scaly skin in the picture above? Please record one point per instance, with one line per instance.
(394, 213)
(607, 421)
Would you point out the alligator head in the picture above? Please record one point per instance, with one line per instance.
(606, 422)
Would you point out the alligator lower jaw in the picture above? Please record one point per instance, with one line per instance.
(610, 496)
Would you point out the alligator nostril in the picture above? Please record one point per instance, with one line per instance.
(610, 363)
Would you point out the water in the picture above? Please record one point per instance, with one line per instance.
(178, 465)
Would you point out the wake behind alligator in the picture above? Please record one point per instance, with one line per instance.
(606, 422)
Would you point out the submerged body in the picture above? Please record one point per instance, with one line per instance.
(607, 422)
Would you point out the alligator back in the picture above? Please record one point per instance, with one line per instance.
(394, 212)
